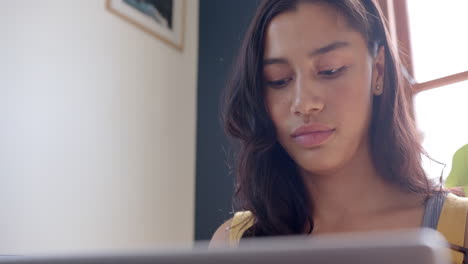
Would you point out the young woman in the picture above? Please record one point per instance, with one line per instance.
(324, 121)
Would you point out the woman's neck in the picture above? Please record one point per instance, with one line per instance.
(355, 191)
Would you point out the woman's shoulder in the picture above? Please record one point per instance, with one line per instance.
(454, 216)
(453, 222)
(230, 233)
(221, 236)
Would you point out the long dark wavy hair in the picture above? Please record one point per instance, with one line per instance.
(267, 180)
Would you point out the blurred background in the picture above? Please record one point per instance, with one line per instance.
(110, 132)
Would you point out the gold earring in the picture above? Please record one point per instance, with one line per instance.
(378, 91)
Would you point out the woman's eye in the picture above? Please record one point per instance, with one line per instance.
(278, 83)
(331, 73)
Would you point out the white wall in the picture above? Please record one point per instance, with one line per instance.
(97, 130)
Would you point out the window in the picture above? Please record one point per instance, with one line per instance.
(431, 36)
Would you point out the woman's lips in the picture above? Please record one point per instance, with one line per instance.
(313, 139)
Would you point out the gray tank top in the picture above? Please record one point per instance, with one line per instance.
(432, 210)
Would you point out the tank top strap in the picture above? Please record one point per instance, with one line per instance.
(432, 210)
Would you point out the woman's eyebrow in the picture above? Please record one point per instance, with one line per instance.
(274, 61)
(319, 51)
(330, 47)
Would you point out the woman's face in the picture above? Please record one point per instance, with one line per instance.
(319, 83)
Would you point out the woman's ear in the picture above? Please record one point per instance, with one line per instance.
(378, 71)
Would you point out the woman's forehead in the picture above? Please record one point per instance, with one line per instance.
(309, 25)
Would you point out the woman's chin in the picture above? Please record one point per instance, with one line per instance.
(320, 166)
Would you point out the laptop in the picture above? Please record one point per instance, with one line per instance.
(422, 246)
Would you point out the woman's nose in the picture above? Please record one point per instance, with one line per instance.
(308, 98)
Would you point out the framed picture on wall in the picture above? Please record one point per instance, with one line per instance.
(163, 19)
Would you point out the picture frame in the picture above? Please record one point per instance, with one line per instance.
(163, 19)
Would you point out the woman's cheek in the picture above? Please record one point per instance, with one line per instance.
(278, 102)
